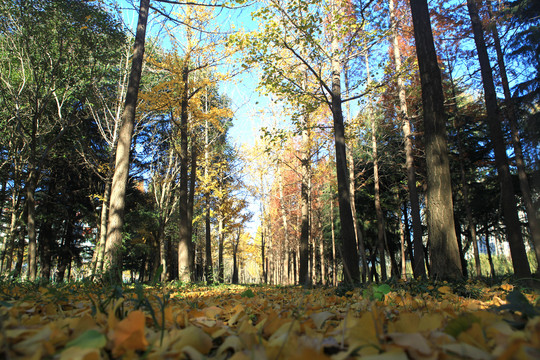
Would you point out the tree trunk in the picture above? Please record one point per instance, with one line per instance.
(445, 263)
(356, 222)
(488, 249)
(21, 244)
(408, 235)
(511, 220)
(378, 207)
(221, 240)
(284, 216)
(334, 260)
(190, 206)
(402, 251)
(349, 252)
(208, 242)
(46, 242)
(419, 269)
(113, 249)
(534, 221)
(183, 227)
(31, 223)
(304, 278)
(470, 220)
(100, 246)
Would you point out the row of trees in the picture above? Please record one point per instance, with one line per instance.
(119, 158)
(424, 192)
(89, 130)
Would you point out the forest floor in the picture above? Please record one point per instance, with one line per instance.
(399, 320)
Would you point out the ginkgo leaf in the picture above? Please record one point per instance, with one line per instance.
(413, 341)
(80, 353)
(128, 334)
(320, 317)
(91, 339)
(194, 337)
(466, 351)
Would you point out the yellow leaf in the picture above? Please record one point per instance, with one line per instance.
(430, 322)
(320, 317)
(467, 351)
(77, 353)
(414, 342)
(194, 337)
(445, 290)
(128, 334)
(406, 323)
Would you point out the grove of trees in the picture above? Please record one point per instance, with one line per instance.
(397, 140)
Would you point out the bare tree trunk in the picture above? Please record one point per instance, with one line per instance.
(100, 246)
(31, 210)
(445, 263)
(184, 272)
(349, 252)
(357, 230)
(221, 239)
(378, 207)
(304, 278)
(488, 249)
(284, 217)
(334, 262)
(511, 220)
(402, 251)
(113, 249)
(534, 221)
(419, 269)
(190, 206)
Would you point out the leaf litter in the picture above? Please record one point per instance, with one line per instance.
(404, 320)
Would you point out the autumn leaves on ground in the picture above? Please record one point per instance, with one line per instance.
(401, 320)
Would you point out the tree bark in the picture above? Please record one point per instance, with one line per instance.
(356, 223)
(113, 249)
(334, 260)
(349, 252)
(304, 278)
(100, 246)
(419, 269)
(378, 207)
(31, 223)
(190, 206)
(445, 263)
(183, 246)
(511, 220)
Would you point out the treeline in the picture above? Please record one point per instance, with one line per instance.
(412, 144)
(65, 72)
(441, 168)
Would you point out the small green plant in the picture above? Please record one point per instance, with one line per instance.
(376, 292)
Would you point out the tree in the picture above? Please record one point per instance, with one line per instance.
(419, 269)
(113, 254)
(445, 262)
(511, 115)
(513, 229)
(56, 49)
(308, 35)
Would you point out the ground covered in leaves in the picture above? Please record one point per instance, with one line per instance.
(403, 320)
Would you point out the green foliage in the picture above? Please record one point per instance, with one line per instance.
(247, 293)
(376, 292)
(88, 340)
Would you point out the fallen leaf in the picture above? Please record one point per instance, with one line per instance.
(128, 334)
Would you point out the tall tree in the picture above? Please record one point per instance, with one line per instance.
(511, 115)
(113, 251)
(511, 220)
(311, 35)
(419, 269)
(445, 261)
